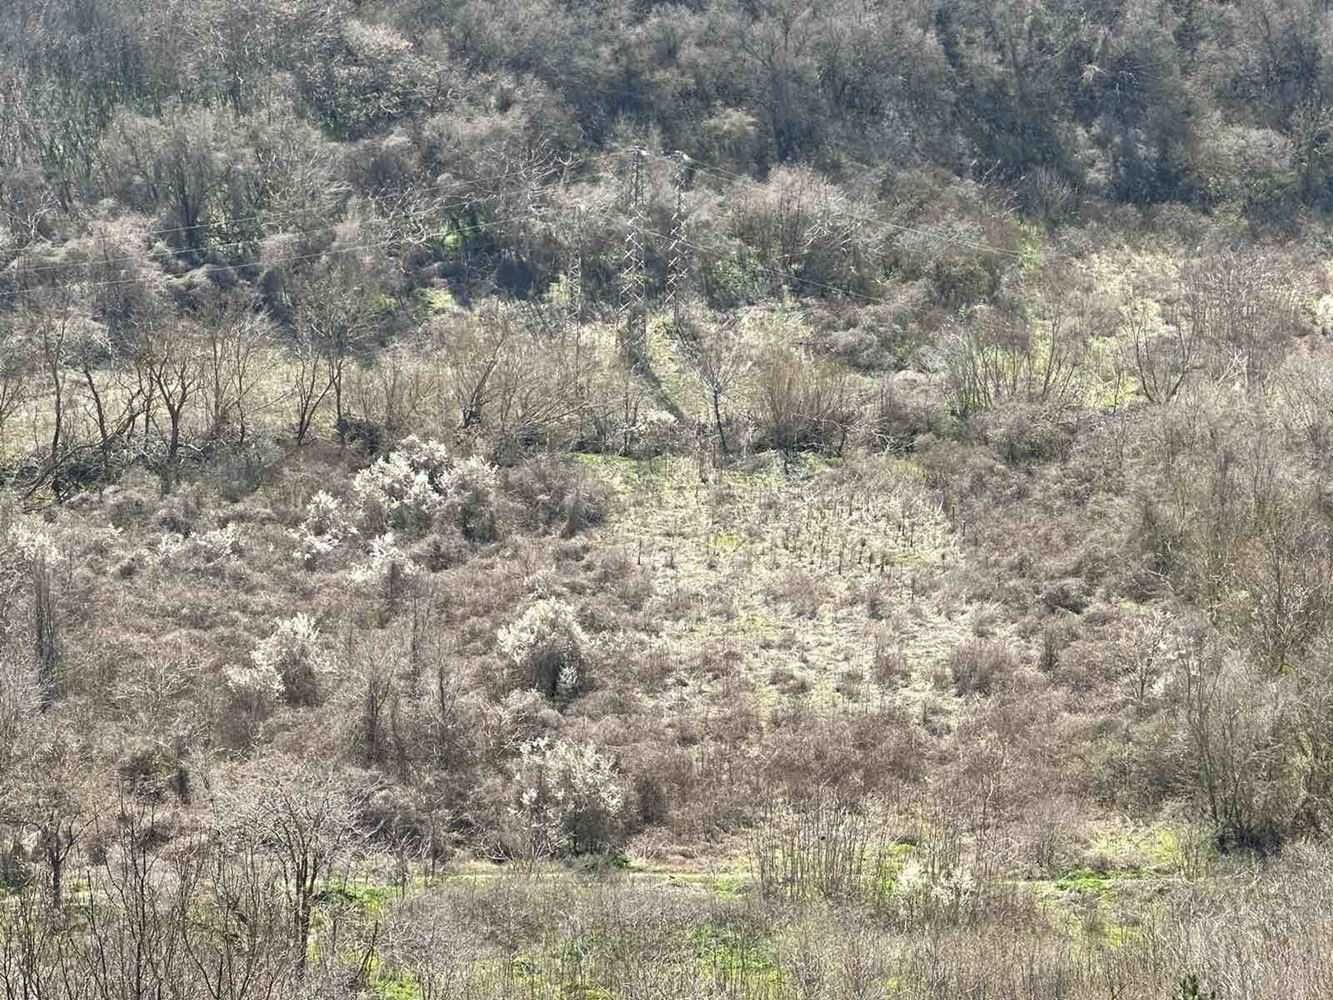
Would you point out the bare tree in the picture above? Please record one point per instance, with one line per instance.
(235, 339)
(172, 362)
(1290, 581)
(721, 361)
(1161, 359)
(50, 800)
(33, 952)
(1143, 655)
(308, 384)
(302, 818)
(20, 701)
(335, 316)
(1246, 310)
(470, 362)
(132, 941)
(395, 391)
(16, 364)
(516, 385)
(1236, 727)
(184, 161)
(45, 631)
(778, 46)
(115, 395)
(51, 322)
(244, 952)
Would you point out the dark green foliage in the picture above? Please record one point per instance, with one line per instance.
(1190, 988)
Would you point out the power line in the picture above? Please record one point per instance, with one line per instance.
(146, 258)
(558, 168)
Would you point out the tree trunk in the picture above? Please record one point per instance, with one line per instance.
(717, 418)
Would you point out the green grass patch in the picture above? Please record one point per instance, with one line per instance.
(737, 959)
(370, 899)
(1086, 881)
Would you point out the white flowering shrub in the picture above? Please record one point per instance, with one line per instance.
(33, 544)
(296, 653)
(656, 433)
(386, 567)
(218, 544)
(27, 541)
(204, 551)
(170, 547)
(929, 893)
(429, 457)
(396, 494)
(473, 489)
(257, 680)
(418, 484)
(548, 645)
(325, 527)
(256, 689)
(569, 798)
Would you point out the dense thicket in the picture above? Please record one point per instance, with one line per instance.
(1195, 102)
(883, 444)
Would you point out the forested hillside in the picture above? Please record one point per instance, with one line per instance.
(723, 499)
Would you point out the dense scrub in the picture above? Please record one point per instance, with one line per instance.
(861, 468)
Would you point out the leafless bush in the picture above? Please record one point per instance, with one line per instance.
(1243, 309)
(45, 631)
(802, 404)
(802, 591)
(992, 357)
(980, 666)
(1238, 725)
(1160, 356)
(820, 847)
(555, 494)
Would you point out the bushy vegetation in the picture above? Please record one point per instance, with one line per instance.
(738, 498)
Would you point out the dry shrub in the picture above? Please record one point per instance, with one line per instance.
(802, 404)
(617, 573)
(1022, 434)
(821, 847)
(854, 753)
(889, 663)
(1069, 594)
(801, 590)
(556, 494)
(878, 598)
(659, 779)
(981, 666)
(719, 659)
(789, 682)
(810, 225)
(1085, 665)
(849, 683)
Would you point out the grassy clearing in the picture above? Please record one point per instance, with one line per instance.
(810, 574)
